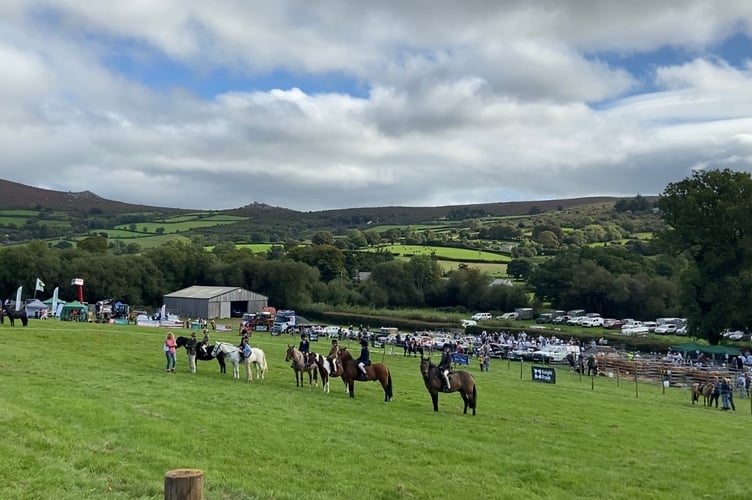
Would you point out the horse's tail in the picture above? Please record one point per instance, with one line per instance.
(264, 366)
(389, 383)
(475, 397)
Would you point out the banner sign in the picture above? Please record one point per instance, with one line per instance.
(460, 359)
(544, 375)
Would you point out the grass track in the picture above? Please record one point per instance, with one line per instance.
(88, 412)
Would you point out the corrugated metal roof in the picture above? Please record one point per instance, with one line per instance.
(202, 292)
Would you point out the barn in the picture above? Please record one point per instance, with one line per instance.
(214, 302)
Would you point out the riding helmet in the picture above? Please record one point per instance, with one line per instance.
(447, 347)
(364, 343)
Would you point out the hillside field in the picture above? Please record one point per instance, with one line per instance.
(88, 413)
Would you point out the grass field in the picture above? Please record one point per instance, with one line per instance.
(88, 412)
(443, 252)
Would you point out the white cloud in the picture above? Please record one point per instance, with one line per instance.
(463, 105)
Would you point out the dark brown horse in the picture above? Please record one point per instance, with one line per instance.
(13, 315)
(344, 366)
(461, 381)
(300, 366)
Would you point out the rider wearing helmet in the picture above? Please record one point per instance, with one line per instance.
(364, 359)
(445, 367)
(245, 348)
(304, 346)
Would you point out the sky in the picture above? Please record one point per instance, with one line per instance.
(342, 104)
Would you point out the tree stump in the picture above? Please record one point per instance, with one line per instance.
(184, 484)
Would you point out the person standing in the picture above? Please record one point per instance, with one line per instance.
(191, 346)
(170, 344)
(485, 351)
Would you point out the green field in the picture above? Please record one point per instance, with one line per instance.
(457, 254)
(88, 412)
(495, 270)
(257, 247)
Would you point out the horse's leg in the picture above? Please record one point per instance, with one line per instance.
(464, 400)
(248, 371)
(435, 400)
(351, 387)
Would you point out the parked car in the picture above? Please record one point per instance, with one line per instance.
(468, 322)
(735, 335)
(544, 318)
(612, 323)
(525, 354)
(634, 330)
(592, 321)
(555, 353)
(481, 316)
(332, 331)
(666, 329)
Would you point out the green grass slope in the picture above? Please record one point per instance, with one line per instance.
(88, 412)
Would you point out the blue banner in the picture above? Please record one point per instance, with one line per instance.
(460, 359)
(543, 374)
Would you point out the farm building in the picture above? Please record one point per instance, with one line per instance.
(214, 302)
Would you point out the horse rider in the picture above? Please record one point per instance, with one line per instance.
(335, 348)
(304, 347)
(245, 348)
(445, 367)
(205, 341)
(363, 360)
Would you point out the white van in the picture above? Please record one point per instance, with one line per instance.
(481, 316)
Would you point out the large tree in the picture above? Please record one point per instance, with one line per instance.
(709, 218)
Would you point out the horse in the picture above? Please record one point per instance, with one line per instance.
(205, 355)
(345, 367)
(458, 381)
(323, 366)
(300, 366)
(704, 389)
(13, 315)
(257, 357)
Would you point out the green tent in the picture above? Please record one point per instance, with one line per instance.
(74, 311)
(720, 349)
(688, 347)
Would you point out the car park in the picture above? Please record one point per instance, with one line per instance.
(592, 322)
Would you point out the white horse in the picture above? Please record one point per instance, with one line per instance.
(257, 357)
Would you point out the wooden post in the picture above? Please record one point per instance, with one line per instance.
(184, 484)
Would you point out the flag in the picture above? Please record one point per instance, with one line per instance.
(54, 301)
(18, 298)
(39, 286)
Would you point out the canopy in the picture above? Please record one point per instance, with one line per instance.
(707, 349)
(49, 301)
(74, 311)
(687, 347)
(35, 308)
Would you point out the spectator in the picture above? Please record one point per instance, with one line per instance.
(190, 348)
(169, 347)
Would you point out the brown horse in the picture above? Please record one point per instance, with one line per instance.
(461, 381)
(344, 366)
(300, 366)
(704, 389)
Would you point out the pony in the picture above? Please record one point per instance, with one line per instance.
(13, 315)
(205, 355)
(704, 389)
(323, 366)
(459, 380)
(300, 366)
(344, 366)
(257, 357)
